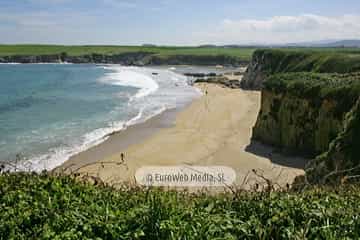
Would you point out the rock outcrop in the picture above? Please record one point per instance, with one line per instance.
(222, 80)
(201, 60)
(255, 73)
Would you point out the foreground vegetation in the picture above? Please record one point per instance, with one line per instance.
(44, 207)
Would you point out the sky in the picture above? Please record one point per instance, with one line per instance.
(177, 22)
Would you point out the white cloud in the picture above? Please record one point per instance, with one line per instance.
(283, 29)
(73, 27)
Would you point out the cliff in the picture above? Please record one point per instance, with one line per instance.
(124, 58)
(343, 156)
(307, 109)
(129, 58)
(303, 112)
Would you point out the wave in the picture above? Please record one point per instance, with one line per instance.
(126, 76)
(156, 94)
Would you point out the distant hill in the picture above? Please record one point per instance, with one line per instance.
(324, 43)
(318, 44)
(344, 43)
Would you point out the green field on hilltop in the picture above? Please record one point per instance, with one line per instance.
(244, 53)
(10, 50)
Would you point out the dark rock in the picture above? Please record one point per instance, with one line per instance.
(220, 80)
(200, 75)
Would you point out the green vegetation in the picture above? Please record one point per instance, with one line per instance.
(45, 207)
(328, 60)
(316, 85)
(27, 50)
(266, 62)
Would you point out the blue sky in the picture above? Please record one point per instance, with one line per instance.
(177, 22)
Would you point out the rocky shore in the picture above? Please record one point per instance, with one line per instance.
(230, 79)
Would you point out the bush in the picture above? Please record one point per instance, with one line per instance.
(45, 207)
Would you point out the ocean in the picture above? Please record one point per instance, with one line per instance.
(49, 112)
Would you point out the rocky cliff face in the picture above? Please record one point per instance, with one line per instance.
(343, 155)
(31, 59)
(130, 58)
(308, 113)
(255, 73)
(300, 125)
(204, 60)
(124, 58)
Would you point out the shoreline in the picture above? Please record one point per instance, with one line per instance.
(119, 140)
(133, 133)
(111, 120)
(212, 130)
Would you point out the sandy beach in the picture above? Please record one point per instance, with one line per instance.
(213, 130)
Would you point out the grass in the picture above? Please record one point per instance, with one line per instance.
(316, 85)
(326, 60)
(44, 207)
(10, 50)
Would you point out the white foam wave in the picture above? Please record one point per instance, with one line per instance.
(58, 156)
(162, 99)
(131, 76)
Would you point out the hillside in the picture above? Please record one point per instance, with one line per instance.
(45, 207)
(344, 43)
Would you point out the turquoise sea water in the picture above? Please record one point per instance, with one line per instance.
(49, 112)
